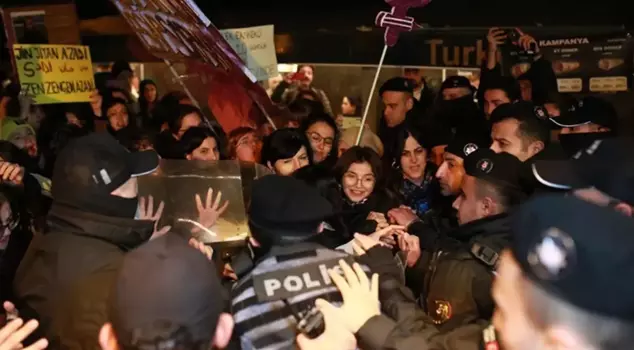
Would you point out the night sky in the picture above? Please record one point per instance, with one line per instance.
(348, 14)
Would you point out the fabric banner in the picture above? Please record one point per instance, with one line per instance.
(54, 73)
(256, 48)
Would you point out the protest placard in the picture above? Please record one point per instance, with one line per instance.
(54, 73)
(256, 47)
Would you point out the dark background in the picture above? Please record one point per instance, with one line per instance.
(347, 14)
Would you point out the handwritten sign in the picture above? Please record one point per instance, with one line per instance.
(256, 47)
(54, 73)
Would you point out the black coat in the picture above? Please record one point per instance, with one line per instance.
(77, 245)
(355, 215)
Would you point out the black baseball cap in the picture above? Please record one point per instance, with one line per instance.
(465, 143)
(284, 209)
(521, 110)
(606, 165)
(578, 252)
(456, 81)
(589, 110)
(165, 290)
(398, 84)
(98, 163)
(499, 168)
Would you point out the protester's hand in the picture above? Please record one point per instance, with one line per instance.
(147, 213)
(10, 313)
(207, 251)
(496, 37)
(12, 335)
(209, 213)
(228, 272)
(335, 336)
(403, 216)
(381, 221)
(360, 295)
(410, 245)
(386, 234)
(362, 243)
(11, 173)
(527, 42)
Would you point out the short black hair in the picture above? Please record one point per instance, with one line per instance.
(509, 85)
(194, 137)
(284, 144)
(109, 102)
(531, 128)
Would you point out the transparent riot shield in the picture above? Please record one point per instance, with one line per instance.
(204, 200)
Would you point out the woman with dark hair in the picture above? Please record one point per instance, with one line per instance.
(351, 106)
(366, 200)
(412, 175)
(200, 143)
(148, 98)
(180, 119)
(245, 145)
(323, 134)
(285, 151)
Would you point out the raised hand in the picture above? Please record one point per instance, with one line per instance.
(147, 213)
(12, 335)
(209, 213)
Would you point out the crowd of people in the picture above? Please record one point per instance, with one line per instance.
(475, 218)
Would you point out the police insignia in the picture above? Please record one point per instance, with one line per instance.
(469, 148)
(485, 165)
(440, 311)
(551, 257)
(540, 113)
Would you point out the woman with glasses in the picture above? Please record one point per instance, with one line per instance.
(245, 145)
(321, 130)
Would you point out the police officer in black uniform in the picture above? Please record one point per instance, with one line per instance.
(457, 276)
(290, 271)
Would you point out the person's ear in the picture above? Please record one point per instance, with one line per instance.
(488, 206)
(224, 329)
(624, 209)
(107, 338)
(188, 156)
(410, 103)
(536, 147)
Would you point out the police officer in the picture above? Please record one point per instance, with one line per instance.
(567, 282)
(290, 272)
(457, 276)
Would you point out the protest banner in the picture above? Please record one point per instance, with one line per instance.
(54, 73)
(256, 47)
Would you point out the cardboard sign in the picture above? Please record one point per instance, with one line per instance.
(256, 47)
(54, 73)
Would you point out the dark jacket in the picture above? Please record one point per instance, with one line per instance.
(355, 214)
(77, 245)
(459, 273)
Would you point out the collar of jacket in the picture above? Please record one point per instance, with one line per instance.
(124, 233)
(489, 228)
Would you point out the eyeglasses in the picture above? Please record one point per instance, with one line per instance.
(318, 138)
(248, 141)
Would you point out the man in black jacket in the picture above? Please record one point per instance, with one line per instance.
(457, 276)
(92, 221)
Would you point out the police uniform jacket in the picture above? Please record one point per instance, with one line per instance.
(284, 284)
(458, 274)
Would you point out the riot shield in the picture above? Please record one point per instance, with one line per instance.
(190, 191)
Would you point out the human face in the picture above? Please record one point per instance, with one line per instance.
(397, 104)
(321, 137)
(413, 160)
(511, 319)
(468, 205)
(6, 225)
(308, 76)
(583, 129)
(492, 99)
(286, 167)
(150, 92)
(455, 93)
(506, 138)
(527, 90)
(358, 182)
(248, 148)
(450, 174)
(189, 121)
(208, 150)
(118, 116)
(437, 154)
(347, 108)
